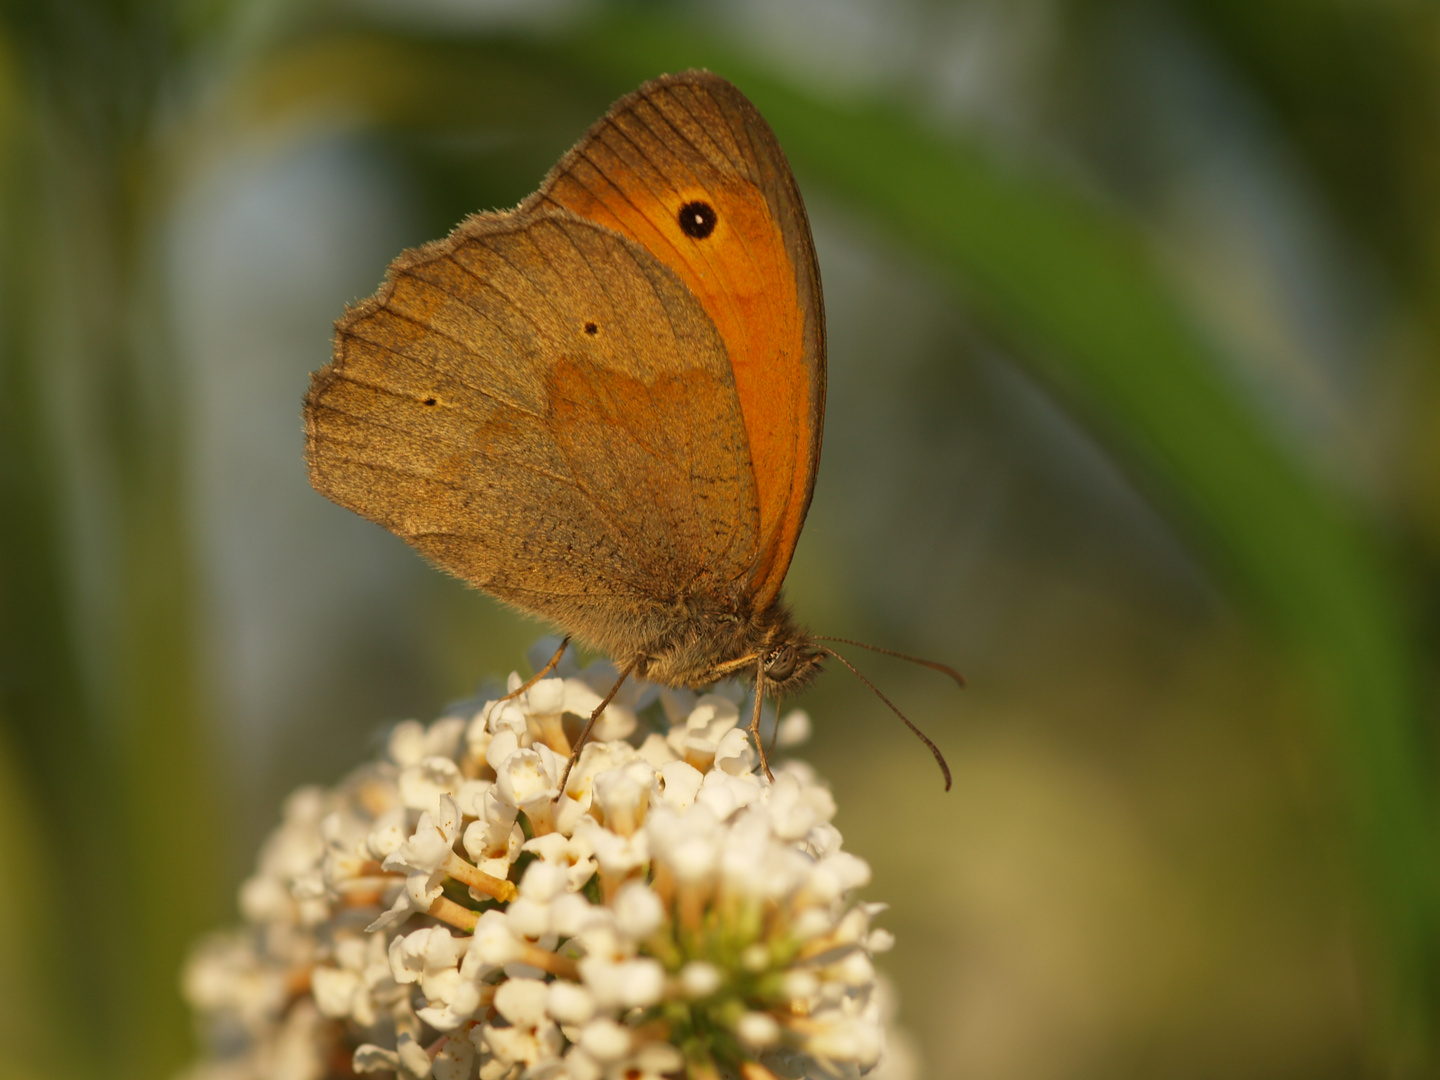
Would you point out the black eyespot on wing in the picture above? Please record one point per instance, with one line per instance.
(697, 219)
(429, 401)
(591, 328)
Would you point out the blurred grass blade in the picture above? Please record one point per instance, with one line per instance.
(98, 687)
(47, 766)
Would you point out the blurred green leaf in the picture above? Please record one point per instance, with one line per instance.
(98, 688)
(1355, 88)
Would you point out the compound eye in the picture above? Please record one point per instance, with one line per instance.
(781, 664)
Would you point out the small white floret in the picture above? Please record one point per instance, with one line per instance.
(627, 984)
(455, 1060)
(543, 881)
(699, 979)
(758, 1030)
(638, 911)
(492, 941)
(658, 1059)
(622, 794)
(424, 782)
(794, 730)
(569, 1003)
(370, 1058)
(334, 991)
(521, 1001)
(413, 1057)
(735, 753)
(546, 697)
(682, 783)
(406, 745)
(605, 1040)
(526, 775)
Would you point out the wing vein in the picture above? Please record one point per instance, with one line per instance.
(488, 284)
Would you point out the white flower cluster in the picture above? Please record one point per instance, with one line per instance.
(449, 913)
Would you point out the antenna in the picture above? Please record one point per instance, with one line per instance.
(935, 750)
(933, 665)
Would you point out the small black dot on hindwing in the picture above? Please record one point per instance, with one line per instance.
(429, 401)
(591, 328)
(697, 219)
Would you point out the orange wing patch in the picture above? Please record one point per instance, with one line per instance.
(675, 171)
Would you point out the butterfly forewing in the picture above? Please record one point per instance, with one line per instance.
(682, 144)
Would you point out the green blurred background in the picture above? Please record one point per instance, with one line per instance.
(1134, 416)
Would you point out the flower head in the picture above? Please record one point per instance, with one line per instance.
(450, 912)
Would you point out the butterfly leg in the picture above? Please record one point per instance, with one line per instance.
(755, 720)
(585, 734)
(549, 667)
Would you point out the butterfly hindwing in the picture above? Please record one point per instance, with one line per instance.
(546, 411)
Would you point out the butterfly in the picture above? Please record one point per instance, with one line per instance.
(604, 407)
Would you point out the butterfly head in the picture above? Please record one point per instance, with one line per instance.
(791, 659)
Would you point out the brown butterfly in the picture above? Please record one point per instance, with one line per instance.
(604, 407)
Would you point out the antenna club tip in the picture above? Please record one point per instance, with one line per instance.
(944, 769)
(946, 669)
